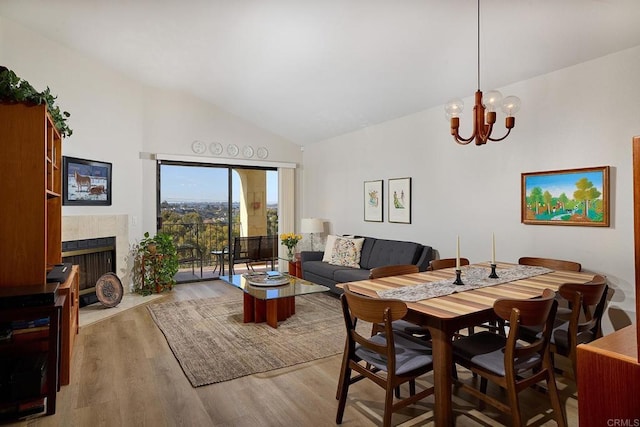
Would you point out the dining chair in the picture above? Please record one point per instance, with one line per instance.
(393, 270)
(587, 303)
(554, 264)
(438, 264)
(400, 324)
(508, 363)
(388, 358)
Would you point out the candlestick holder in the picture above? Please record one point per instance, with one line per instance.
(493, 274)
(458, 280)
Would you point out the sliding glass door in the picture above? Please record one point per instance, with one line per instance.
(205, 207)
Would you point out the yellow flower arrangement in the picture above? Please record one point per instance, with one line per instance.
(290, 240)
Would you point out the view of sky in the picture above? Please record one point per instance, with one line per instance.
(562, 183)
(205, 184)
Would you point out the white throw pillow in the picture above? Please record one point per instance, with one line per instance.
(346, 252)
(328, 248)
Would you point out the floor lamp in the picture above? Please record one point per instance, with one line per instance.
(311, 226)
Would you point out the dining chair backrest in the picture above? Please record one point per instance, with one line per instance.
(393, 270)
(529, 312)
(555, 264)
(438, 264)
(510, 363)
(391, 358)
(587, 302)
(375, 310)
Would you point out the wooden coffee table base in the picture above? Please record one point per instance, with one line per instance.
(272, 310)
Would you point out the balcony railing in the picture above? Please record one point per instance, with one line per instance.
(206, 237)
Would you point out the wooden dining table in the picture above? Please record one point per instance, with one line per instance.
(445, 315)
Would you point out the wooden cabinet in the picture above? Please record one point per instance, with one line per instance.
(609, 368)
(71, 290)
(609, 380)
(30, 189)
(31, 227)
(24, 388)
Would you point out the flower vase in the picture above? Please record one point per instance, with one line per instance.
(290, 253)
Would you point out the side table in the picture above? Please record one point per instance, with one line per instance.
(219, 255)
(295, 267)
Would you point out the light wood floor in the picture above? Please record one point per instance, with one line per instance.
(124, 374)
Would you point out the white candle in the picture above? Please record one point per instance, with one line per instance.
(493, 248)
(458, 253)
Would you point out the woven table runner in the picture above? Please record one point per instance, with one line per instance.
(473, 278)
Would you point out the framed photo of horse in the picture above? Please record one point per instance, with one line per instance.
(86, 182)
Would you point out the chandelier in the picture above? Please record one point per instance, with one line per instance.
(484, 114)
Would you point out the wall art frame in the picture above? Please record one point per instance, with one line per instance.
(399, 196)
(373, 201)
(85, 182)
(566, 197)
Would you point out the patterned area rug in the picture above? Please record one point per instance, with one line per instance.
(212, 344)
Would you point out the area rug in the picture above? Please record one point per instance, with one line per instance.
(212, 344)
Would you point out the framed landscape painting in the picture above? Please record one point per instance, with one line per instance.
(373, 200)
(86, 182)
(566, 197)
(400, 200)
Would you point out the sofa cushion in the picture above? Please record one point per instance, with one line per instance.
(390, 252)
(350, 275)
(346, 252)
(367, 247)
(320, 268)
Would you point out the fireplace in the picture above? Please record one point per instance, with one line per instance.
(95, 257)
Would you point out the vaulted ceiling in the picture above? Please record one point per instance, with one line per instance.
(312, 69)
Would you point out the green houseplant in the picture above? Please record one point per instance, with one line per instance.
(15, 89)
(155, 264)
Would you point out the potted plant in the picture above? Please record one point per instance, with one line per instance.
(155, 264)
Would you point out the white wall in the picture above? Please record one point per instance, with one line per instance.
(173, 120)
(119, 120)
(578, 117)
(106, 112)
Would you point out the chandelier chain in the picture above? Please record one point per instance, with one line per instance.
(478, 44)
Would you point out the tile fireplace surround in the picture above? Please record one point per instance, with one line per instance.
(79, 227)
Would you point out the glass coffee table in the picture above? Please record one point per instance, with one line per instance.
(270, 297)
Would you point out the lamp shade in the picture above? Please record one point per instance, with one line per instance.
(311, 225)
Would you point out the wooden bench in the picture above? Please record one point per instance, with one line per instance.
(254, 249)
(190, 254)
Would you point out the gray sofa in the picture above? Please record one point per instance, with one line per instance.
(375, 253)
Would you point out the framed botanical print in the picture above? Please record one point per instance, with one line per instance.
(400, 200)
(373, 200)
(566, 197)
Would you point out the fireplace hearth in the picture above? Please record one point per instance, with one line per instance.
(95, 257)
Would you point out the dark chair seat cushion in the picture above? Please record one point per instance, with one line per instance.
(486, 350)
(411, 354)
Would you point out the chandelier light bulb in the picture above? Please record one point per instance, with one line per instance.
(492, 100)
(511, 105)
(454, 108)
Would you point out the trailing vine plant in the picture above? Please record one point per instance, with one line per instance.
(15, 89)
